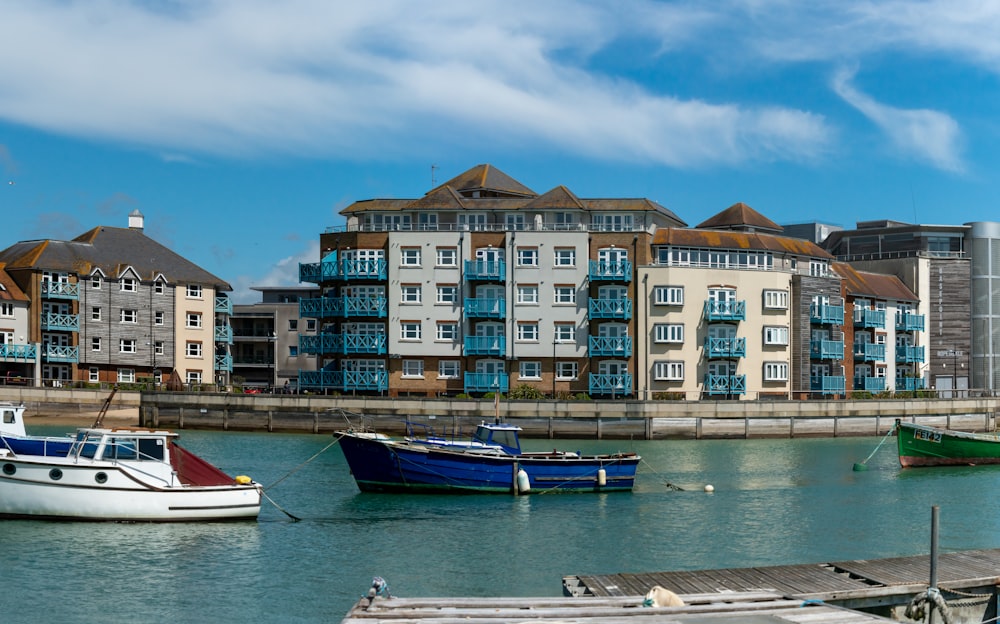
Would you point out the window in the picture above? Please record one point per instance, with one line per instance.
(471, 221)
(193, 377)
(668, 370)
(409, 256)
(127, 284)
(158, 287)
(565, 294)
(527, 294)
(564, 257)
(668, 332)
(775, 335)
(527, 256)
(126, 375)
(818, 268)
(95, 313)
(293, 351)
(95, 282)
(158, 347)
(565, 332)
(527, 331)
(668, 295)
(530, 370)
(95, 344)
(447, 294)
(158, 318)
(776, 299)
(129, 316)
(448, 369)
(447, 331)
(515, 221)
(93, 374)
(775, 371)
(310, 325)
(192, 349)
(126, 345)
(612, 222)
(566, 370)
(413, 369)
(193, 320)
(409, 330)
(409, 294)
(447, 256)
(6, 337)
(193, 292)
(293, 325)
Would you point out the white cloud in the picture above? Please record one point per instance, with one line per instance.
(918, 134)
(284, 273)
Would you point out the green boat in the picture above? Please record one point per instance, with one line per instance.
(920, 445)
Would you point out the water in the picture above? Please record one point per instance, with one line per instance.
(775, 502)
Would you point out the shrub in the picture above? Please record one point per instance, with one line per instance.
(524, 391)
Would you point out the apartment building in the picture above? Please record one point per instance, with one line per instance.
(113, 305)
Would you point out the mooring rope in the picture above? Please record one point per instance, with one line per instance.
(887, 435)
(669, 485)
(303, 464)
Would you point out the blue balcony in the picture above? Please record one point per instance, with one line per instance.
(61, 322)
(716, 311)
(909, 384)
(485, 308)
(18, 351)
(60, 290)
(869, 384)
(908, 321)
(343, 270)
(826, 349)
(725, 384)
(603, 271)
(486, 382)
(343, 307)
(823, 314)
(344, 381)
(617, 309)
(61, 353)
(223, 305)
(869, 352)
(224, 333)
(343, 344)
(224, 362)
(869, 319)
(485, 270)
(485, 345)
(827, 384)
(728, 348)
(605, 346)
(610, 384)
(909, 355)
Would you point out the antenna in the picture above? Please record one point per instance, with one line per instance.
(433, 180)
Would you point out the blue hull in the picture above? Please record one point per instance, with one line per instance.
(36, 445)
(381, 465)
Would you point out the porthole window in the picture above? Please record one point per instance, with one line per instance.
(55, 474)
(101, 477)
(9, 469)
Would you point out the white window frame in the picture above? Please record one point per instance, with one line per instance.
(410, 331)
(668, 295)
(128, 316)
(527, 294)
(527, 256)
(527, 331)
(127, 284)
(529, 369)
(449, 369)
(447, 294)
(192, 320)
(564, 294)
(775, 335)
(668, 333)
(158, 318)
(193, 349)
(447, 331)
(93, 374)
(567, 370)
(95, 343)
(193, 377)
(126, 375)
(564, 257)
(410, 294)
(409, 256)
(446, 257)
(413, 369)
(668, 370)
(564, 332)
(193, 291)
(95, 313)
(775, 299)
(126, 345)
(775, 371)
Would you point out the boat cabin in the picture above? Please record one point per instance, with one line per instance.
(122, 444)
(499, 435)
(12, 419)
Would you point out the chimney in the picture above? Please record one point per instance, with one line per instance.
(135, 220)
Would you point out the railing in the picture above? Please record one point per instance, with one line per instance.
(491, 308)
(486, 382)
(344, 381)
(870, 384)
(910, 355)
(619, 384)
(869, 351)
(912, 253)
(18, 351)
(825, 314)
(61, 322)
(485, 270)
(603, 271)
(827, 384)
(867, 318)
(485, 345)
(725, 310)
(344, 344)
(725, 347)
(619, 309)
(224, 363)
(826, 349)
(343, 307)
(343, 269)
(60, 290)
(224, 305)
(61, 353)
(527, 226)
(605, 346)
(908, 321)
(224, 333)
(725, 384)
(909, 384)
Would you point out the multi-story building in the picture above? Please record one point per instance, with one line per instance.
(266, 337)
(113, 305)
(18, 358)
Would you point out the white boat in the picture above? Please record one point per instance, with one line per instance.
(15, 439)
(123, 474)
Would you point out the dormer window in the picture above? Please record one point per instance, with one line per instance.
(128, 284)
(95, 282)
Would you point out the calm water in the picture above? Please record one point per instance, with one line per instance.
(775, 501)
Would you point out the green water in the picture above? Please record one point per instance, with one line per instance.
(775, 502)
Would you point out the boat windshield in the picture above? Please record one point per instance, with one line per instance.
(126, 447)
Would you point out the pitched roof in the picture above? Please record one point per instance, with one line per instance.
(876, 285)
(9, 291)
(682, 237)
(488, 178)
(739, 216)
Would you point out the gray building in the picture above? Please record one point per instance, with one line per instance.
(266, 351)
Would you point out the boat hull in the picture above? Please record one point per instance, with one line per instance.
(382, 465)
(920, 445)
(36, 445)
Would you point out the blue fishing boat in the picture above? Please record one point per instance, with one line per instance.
(14, 437)
(490, 462)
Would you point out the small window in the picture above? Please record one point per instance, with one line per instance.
(127, 284)
(409, 256)
(565, 294)
(413, 369)
(193, 291)
(447, 331)
(293, 324)
(409, 330)
(410, 294)
(293, 351)
(527, 294)
(527, 331)
(776, 299)
(193, 320)
(668, 295)
(126, 345)
(564, 257)
(775, 371)
(126, 375)
(668, 371)
(447, 257)
(566, 371)
(565, 332)
(668, 332)
(95, 344)
(158, 347)
(447, 294)
(95, 313)
(158, 318)
(93, 374)
(192, 349)
(129, 316)
(448, 369)
(193, 377)
(775, 335)
(95, 282)
(530, 369)
(527, 256)
(158, 288)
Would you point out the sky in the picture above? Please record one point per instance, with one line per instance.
(241, 128)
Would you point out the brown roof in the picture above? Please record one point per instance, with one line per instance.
(487, 177)
(682, 237)
(9, 291)
(876, 285)
(559, 197)
(739, 216)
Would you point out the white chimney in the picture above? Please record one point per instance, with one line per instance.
(135, 220)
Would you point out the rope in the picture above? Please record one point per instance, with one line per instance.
(670, 486)
(917, 609)
(887, 435)
(303, 464)
(278, 507)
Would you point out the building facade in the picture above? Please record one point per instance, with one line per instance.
(267, 336)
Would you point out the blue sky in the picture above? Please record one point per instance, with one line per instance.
(240, 128)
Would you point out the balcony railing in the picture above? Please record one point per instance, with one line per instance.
(619, 384)
(224, 362)
(61, 322)
(869, 384)
(344, 269)
(223, 305)
(224, 333)
(725, 384)
(60, 290)
(486, 382)
(18, 351)
(725, 311)
(869, 351)
(824, 314)
(725, 347)
(827, 384)
(489, 308)
(343, 307)
(343, 344)
(61, 353)
(826, 349)
(605, 346)
(344, 381)
(485, 270)
(867, 318)
(603, 271)
(910, 355)
(485, 345)
(619, 309)
(908, 384)
(908, 321)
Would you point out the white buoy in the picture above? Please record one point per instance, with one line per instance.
(523, 484)
(709, 488)
(602, 477)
